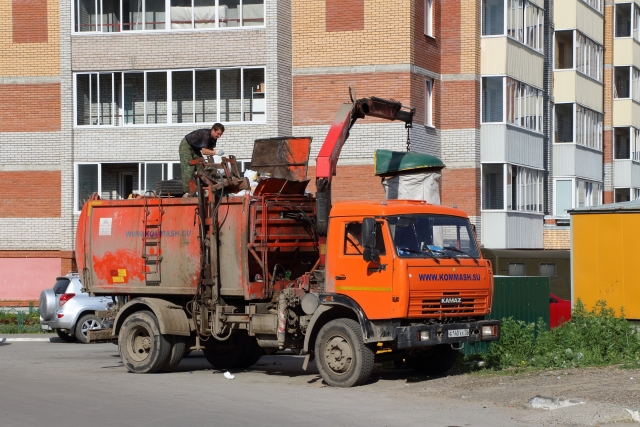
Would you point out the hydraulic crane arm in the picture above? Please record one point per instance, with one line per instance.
(338, 133)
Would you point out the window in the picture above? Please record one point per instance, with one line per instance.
(113, 16)
(492, 99)
(564, 196)
(428, 236)
(170, 97)
(563, 126)
(547, 269)
(353, 239)
(623, 19)
(115, 181)
(492, 186)
(588, 127)
(622, 143)
(563, 50)
(524, 105)
(626, 83)
(428, 18)
(622, 195)
(492, 17)
(596, 4)
(521, 187)
(525, 23)
(587, 193)
(428, 101)
(524, 189)
(516, 269)
(588, 57)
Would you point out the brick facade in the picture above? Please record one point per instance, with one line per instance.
(556, 239)
(30, 107)
(29, 21)
(344, 15)
(30, 194)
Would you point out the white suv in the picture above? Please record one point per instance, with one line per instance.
(69, 311)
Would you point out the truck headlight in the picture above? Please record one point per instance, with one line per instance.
(488, 331)
(424, 336)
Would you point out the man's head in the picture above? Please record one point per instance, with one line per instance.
(217, 130)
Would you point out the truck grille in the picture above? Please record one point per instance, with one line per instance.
(428, 303)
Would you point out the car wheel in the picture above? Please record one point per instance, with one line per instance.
(66, 337)
(233, 353)
(341, 355)
(143, 348)
(435, 361)
(86, 322)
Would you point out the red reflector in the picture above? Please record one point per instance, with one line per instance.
(60, 315)
(64, 298)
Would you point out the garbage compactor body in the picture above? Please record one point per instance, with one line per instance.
(153, 246)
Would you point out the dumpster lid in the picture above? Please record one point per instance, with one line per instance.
(388, 162)
(282, 157)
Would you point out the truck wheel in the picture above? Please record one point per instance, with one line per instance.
(86, 322)
(435, 361)
(143, 348)
(341, 355)
(66, 337)
(255, 353)
(172, 187)
(177, 353)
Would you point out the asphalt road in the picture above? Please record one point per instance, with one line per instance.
(51, 384)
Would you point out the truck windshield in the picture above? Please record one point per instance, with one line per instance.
(432, 235)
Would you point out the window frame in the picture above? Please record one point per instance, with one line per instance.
(99, 6)
(118, 98)
(428, 18)
(529, 189)
(428, 102)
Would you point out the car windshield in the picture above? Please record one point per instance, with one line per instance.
(428, 236)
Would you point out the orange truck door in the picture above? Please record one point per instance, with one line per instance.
(368, 283)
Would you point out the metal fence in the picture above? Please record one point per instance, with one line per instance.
(523, 298)
(20, 319)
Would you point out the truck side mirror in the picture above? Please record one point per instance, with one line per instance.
(369, 240)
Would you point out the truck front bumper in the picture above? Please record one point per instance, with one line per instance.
(416, 336)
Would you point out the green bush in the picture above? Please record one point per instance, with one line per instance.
(592, 338)
(12, 322)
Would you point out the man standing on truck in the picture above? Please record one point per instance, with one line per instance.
(193, 146)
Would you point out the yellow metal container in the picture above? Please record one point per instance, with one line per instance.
(605, 256)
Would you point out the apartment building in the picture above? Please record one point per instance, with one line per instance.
(531, 104)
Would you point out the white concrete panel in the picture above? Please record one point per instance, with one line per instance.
(564, 86)
(626, 52)
(571, 86)
(564, 14)
(626, 113)
(626, 173)
(577, 160)
(503, 56)
(502, 143)
(512, 230)
(589, 22)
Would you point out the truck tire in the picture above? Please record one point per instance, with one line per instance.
(234, 354)
(86, 322)
(177, 353)
(170, 187)
(65, 336)
(341, 355)
(435, 361)
(255, 353)
(143, 348)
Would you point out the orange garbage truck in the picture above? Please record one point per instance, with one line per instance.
(239, 271)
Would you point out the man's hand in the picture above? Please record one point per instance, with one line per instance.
(219, 152)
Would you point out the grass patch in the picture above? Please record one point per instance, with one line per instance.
(593, 337)
(13, 322)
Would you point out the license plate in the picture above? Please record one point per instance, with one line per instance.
(458, 333)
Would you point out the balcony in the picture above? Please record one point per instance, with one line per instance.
(571, 14)
(577, 160)
(504, 56)
(512, 230)
(504, 143)
(626, 173)
(626, 112)
(626, 51)
(572, 86)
